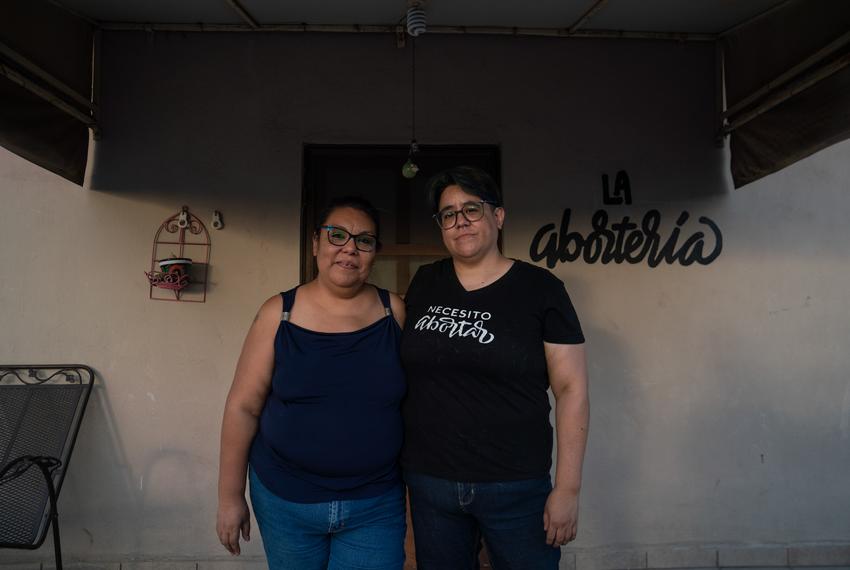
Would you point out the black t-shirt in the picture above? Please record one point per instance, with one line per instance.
(477, 407)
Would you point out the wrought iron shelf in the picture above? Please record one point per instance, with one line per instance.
(180, 275)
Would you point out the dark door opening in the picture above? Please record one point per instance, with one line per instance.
(409, 234)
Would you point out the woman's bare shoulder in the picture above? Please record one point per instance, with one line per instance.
(270, 311)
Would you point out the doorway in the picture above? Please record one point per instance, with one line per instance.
(409, 235)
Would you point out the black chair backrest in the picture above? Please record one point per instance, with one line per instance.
(41, 407)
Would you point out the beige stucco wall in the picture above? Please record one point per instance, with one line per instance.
(720, 393)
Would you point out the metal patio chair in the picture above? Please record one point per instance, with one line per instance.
(41, 407)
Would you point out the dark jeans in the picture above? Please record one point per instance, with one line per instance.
(451, 517)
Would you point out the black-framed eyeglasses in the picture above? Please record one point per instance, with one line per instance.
(340, 236)
(472, 211)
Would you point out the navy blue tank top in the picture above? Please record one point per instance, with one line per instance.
(331, 427)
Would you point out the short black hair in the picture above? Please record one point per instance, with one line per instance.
(356, 203)
(471, 179)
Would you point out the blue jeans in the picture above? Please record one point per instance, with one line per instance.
(337, 535)
(451, 517)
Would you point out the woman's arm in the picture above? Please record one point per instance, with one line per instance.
(567, 369)
(248, 393)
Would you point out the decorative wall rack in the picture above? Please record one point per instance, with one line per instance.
(180, 259)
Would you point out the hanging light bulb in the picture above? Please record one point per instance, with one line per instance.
(410, 168)
(416, 21)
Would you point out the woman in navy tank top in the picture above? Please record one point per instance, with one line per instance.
(313, 417)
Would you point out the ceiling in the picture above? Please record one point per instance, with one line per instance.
(671, 16)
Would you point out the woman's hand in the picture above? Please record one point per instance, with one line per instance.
(560, 517)
(233, 518)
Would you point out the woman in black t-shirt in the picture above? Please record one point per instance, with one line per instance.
(485, 338)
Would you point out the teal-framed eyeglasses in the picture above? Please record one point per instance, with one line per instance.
(472, 211)
(340, 236)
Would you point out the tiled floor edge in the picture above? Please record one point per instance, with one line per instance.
(708, 556)
(830, 555)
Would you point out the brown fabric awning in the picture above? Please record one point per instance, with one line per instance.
(37, 35)
(814, 111)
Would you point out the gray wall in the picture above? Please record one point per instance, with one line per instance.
(720, 392)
